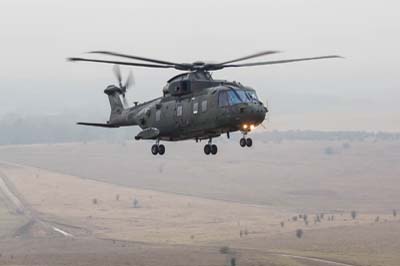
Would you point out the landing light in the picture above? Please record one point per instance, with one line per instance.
(244, 126)
(251, 127)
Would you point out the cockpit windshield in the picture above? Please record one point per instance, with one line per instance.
(236, 96)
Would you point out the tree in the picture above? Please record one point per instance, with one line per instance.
(135, 203)
(282, 224)
(299, 233)
(353, 214)
(394, 213)
(294, 218)
(94, 201)
(377, 219)
(117, 197)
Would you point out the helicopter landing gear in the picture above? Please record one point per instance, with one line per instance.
(158, 148)
(245, 141)
(210, 148)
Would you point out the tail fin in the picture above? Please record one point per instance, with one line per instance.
(114, 96)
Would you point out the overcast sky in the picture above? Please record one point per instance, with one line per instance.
(359, 92)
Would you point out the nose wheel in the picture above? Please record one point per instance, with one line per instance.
(246, 142)
(210, 148)
(158, 149)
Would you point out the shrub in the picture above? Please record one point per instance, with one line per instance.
(328, 151)
(224, 250)
(299, 233)
(135, 203)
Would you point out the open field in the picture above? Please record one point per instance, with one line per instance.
(81, 200)
(295, 174)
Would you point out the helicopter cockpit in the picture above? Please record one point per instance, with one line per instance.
(236, 96)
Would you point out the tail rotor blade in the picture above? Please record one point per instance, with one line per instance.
(117, 73)
(130, 81)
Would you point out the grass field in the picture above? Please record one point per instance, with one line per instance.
(237, 199)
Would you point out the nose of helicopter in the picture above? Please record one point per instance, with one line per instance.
(252, 114)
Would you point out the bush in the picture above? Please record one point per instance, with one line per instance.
(135, 203)
(346, 145)
(328, 151)
(224, 250)
(353, 214)
(282, 224)
(233, 262)
(94, 201)
(394, 213)
(299, 233)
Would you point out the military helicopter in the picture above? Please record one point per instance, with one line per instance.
(193, 104)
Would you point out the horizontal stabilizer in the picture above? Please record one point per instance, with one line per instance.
(96, 124)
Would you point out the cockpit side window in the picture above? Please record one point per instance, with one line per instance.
(223, 99)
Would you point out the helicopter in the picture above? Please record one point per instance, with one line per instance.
(193, 105)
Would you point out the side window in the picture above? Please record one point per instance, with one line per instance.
(204, 106)
(158, 115)
(179, 110)
(195, 108)
(223, 99)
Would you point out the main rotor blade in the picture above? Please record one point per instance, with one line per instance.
(135, 57)
(282, 61)
(249, 57)
(74, 59)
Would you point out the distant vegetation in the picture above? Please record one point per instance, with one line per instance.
(299, 233)
(16, 129)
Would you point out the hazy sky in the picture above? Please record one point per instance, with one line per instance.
(360, 92)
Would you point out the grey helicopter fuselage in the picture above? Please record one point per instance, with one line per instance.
(193, 106)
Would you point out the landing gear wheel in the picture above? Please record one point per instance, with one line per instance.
(154, 149)
(249, 142)
(214, 149)
(243, 142)
(207, 149)
(161, 149)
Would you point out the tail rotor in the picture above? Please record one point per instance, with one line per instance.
(130, 81)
